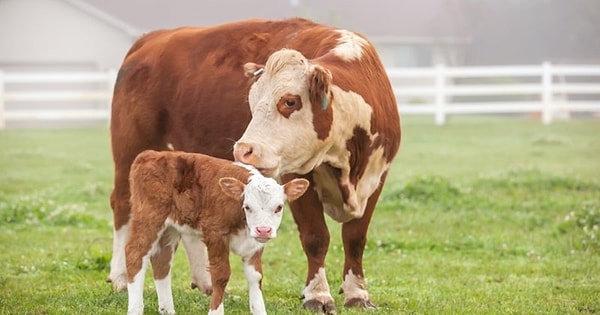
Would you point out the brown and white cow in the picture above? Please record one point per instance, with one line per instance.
(322, 109)
(198, 198)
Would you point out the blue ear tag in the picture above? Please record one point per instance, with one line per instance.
(324, 104)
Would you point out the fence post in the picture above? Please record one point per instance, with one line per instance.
(547, 93)
(2, 114)
(440, 94)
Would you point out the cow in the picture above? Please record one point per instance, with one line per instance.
(202, 199)
(321, 108)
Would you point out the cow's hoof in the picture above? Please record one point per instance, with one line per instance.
(206, 290)
(360, 303)
(119, 283)
(320, 307)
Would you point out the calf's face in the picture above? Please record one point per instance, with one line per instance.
(262, 201)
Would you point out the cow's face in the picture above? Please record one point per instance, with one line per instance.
(262, 201)
(291, 115)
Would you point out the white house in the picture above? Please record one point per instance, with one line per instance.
(58, 35)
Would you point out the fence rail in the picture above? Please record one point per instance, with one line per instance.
(549, 90)
(439, 91)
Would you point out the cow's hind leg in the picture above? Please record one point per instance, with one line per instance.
(119, 201)
(161, 267)
(197, 256)
(354, 236)
(314, 235)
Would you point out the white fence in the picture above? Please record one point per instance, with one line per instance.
(545, 89)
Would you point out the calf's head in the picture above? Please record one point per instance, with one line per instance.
(291, 115)
(262, 201)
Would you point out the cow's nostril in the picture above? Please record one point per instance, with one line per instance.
(248, 152)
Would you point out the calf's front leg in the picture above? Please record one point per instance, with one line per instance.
(220, 271)
(253, 271)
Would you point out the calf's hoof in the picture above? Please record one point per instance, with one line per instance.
(360, 303)
(320, 307)
(119, 283)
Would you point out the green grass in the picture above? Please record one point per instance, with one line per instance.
(481, 216)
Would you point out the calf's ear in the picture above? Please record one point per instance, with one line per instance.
(232, 187)
(252, 70)
(295, 188)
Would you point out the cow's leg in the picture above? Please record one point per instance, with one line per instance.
(314, 236)
(197, 256)
(253, 271)
(161, 267)
(354, 236)
(220, 271)
(119, 201)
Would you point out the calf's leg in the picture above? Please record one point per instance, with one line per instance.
(220, 271)
(161, 267)
(253, 272)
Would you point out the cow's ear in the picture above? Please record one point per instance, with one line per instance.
(295, 188)
(253, 70)
(232, 187)
(319, 86)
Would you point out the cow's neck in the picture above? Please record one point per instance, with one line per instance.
(354, 164)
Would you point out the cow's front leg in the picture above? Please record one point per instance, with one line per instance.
(197, 256)
(309, 217)
(354, 236)
(253, 271)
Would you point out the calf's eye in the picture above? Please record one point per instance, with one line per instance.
(246, 208)
(279, 208)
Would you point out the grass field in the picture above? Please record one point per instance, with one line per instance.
(481, 216)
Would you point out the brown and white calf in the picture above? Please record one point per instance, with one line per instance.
(197, 198)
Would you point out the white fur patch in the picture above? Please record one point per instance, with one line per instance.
(350, 46)
(165, 296)
(219, 311)
(318, 288)
(118, 270)
(257, 303)
(354, 287)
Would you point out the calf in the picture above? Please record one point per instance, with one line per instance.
(175, 195)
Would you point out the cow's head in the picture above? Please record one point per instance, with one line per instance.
(262, 201)
(291, 115)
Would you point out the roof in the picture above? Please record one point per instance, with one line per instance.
(105, 17)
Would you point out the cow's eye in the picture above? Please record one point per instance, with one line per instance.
(290, 103)
(279, 208)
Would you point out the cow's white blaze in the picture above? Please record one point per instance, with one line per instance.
(350, 46)
(284, 144)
